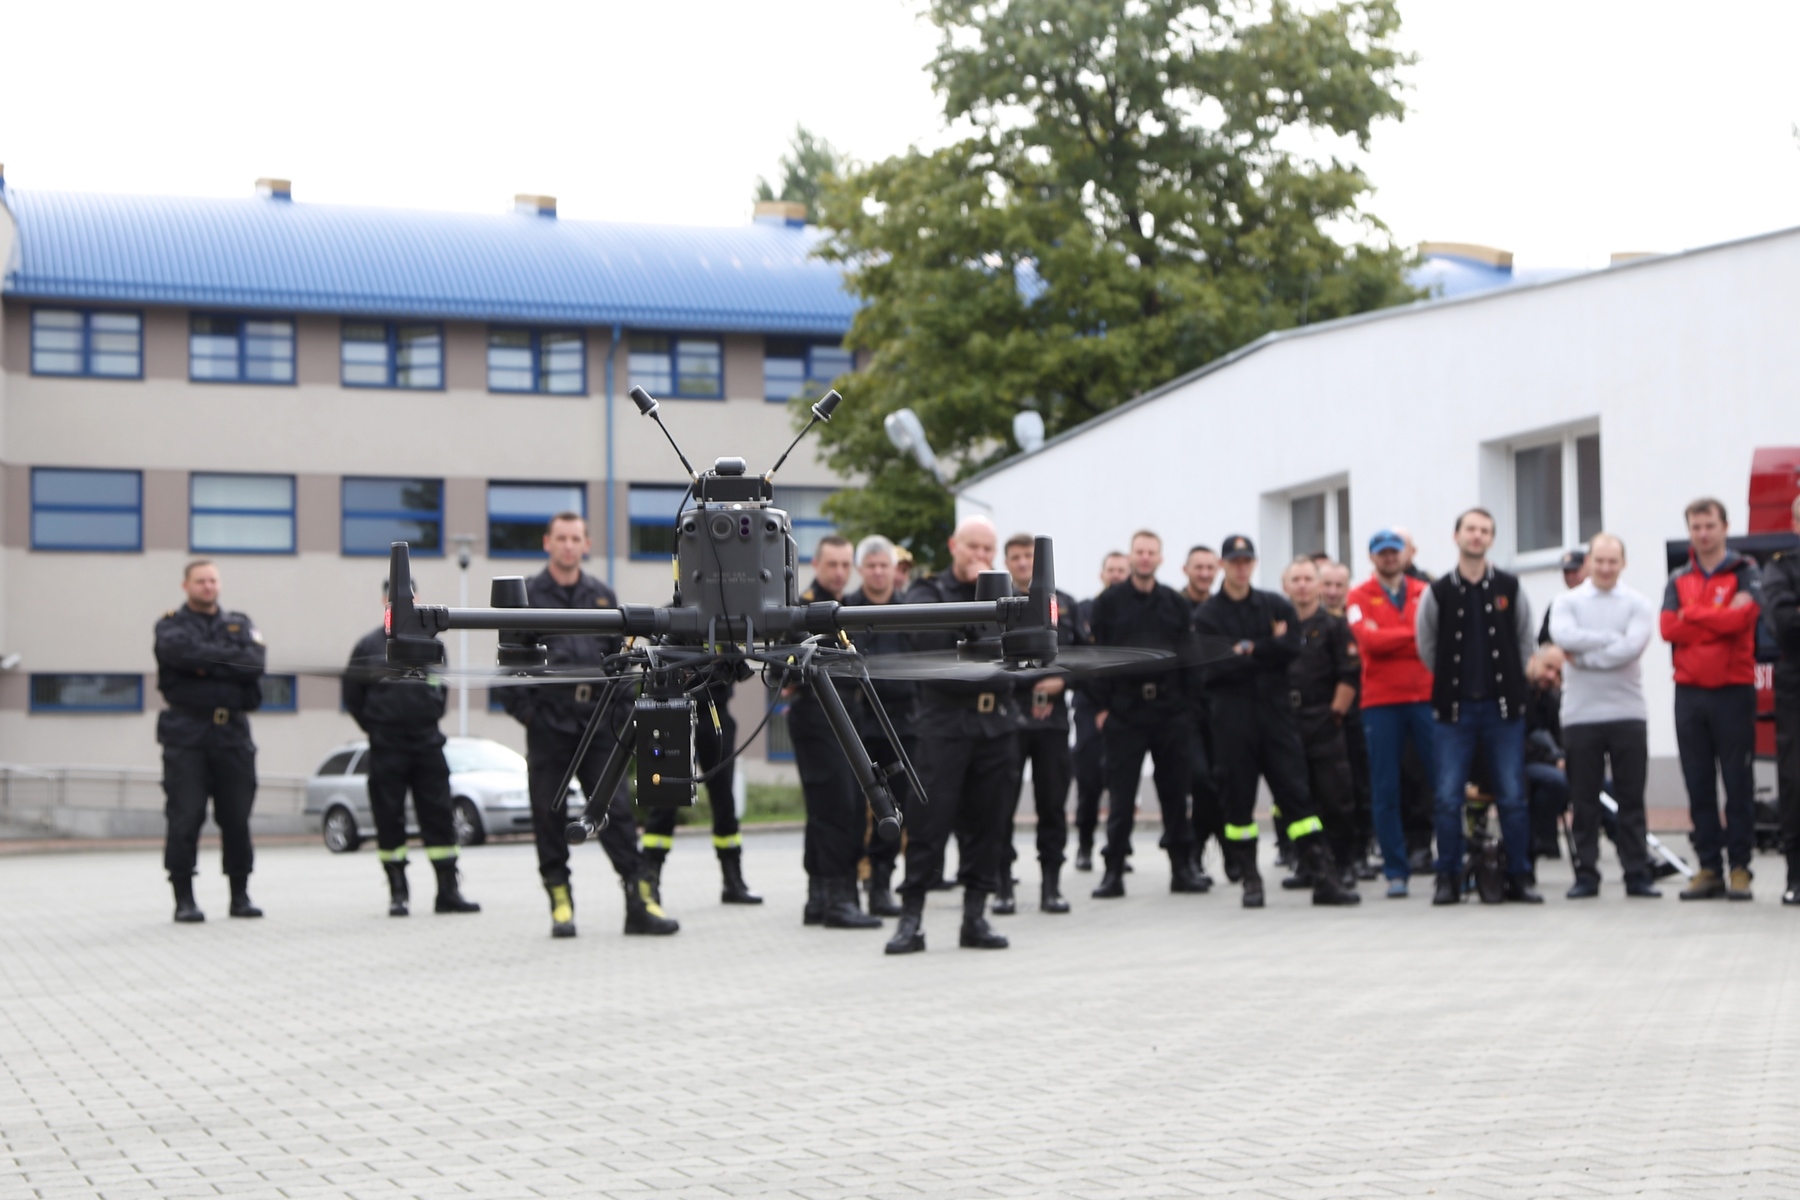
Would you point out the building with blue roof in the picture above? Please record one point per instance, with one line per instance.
(285, 387)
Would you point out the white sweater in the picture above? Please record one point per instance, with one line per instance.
(1604, 634)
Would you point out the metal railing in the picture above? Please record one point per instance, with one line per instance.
(97, 801)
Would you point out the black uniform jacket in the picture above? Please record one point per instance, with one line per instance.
(397, 714)
(897, 696)
(806, 713)
(1781, 609)
(1071, 630)
(209, 668)
(566, 707)
(958, 708)
(1263, 673)
(1328, 657)
(1154, 620)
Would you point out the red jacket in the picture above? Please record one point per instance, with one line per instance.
(1392, 672)
(1714, 641)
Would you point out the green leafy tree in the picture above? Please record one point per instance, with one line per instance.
(1128, 205)
(809, 162)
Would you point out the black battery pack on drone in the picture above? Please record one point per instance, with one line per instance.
(665, 752)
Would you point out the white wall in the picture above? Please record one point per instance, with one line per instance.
(1685, 364)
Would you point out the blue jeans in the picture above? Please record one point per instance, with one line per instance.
(1386, 728)
(1504, 742)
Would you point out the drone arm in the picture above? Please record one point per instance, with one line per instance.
(868, 618)
(825, 691)
(892, 735)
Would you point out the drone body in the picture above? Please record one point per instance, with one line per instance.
(736, 609)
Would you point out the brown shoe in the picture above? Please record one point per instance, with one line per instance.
(1739, 887)
(1706, 885)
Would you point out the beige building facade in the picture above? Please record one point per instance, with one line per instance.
(250, 436)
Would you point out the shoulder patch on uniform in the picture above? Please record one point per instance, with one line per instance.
(233, 627)
(168, 614)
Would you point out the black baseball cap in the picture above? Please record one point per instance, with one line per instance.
(1237, 546)
(1574, 560)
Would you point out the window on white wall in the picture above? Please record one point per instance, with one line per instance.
(1556, 492)
(1319, 523)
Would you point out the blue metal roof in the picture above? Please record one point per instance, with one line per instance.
(276, 255)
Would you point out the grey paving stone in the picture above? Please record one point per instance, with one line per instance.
(1156, 1046)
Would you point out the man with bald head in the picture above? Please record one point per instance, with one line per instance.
(969, 767)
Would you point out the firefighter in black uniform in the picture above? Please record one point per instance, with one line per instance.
(1322, 686)
(554, 716)
(1149, 713)
(875, 561)
(711, 743)
(1090, 750)
(1781, 608)
(1044, 743)
(1334, 591)
(209, 667)
(970, 773)
(1207, 819)
(1255, 731)
(406, 751)
(834, 802)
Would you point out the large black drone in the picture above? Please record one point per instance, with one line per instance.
(736, 609)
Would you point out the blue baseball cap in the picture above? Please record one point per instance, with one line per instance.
(1387, 539)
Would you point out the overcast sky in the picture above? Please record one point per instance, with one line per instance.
(1560, 130)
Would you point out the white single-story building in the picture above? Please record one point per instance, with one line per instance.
(1605, 400)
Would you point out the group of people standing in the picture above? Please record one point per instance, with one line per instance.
(1326, 692)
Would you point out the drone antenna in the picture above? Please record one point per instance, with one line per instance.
(647, 406)
(820, 412)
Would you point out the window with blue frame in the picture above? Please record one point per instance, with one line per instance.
(241, 514)
(381, 354)
(71, 341)
(549, 361)
(680, 368)
(806, 515)
(651, 510)
(795, 367)
(87, 510)
(518, 514)
(240, 349)
(280, 693)
(87, 693)
(380, 512)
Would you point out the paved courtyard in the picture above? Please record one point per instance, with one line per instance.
(1157, 1046)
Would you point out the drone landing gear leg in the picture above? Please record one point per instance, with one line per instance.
(887, 820)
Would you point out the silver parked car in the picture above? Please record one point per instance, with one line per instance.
(487, 783)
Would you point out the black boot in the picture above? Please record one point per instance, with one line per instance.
(1327, 888)
(733, 889)
(1521, 889)
(240, 898)
(1004, 903)
(881, 893)
(1112, 882)
(1050, 897)
(1449, 888)
(1302, 876)
(398, 893)
(562, 910)
(1198, 862)
(643, 912)
(1248, 873)
(1183, 878)
(977, 934)
(449, 895)
(814, 912)
(839, 910)
(1639, 883)
(1790, 895)
(909, 936)
(1234, 866)
(653, 864)
(186, 911)
(1084, 855)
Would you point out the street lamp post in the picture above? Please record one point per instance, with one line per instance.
(465, 554)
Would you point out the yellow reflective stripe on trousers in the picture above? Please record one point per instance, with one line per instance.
(397, 855)
(729, 841)
(658, 841)
(1301, 828)
(1240, 833)
(438, 853)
